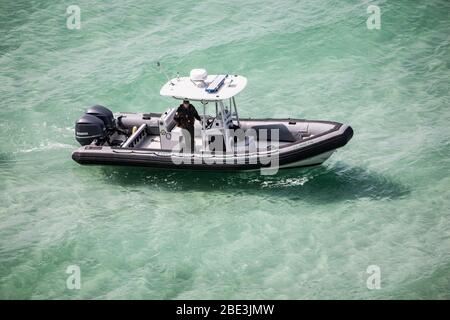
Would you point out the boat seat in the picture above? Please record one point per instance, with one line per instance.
(284, 134)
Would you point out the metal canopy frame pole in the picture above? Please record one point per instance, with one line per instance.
(235, 110)
(203, 126)
(224, 129)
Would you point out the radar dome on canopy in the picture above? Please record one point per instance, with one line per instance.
(198, 75)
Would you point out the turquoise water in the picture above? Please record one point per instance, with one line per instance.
(303, 234)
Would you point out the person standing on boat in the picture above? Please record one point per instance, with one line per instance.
(185, 118)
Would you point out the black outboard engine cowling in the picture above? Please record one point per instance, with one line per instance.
(104, 114)
(89, 128)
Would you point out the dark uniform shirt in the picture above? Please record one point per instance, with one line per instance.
(185, 117)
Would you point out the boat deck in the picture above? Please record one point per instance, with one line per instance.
(154, 142)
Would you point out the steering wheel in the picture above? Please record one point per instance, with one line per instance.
(209, 122)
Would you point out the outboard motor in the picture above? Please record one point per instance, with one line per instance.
(95, 124)
(104, 114)
(89, 128)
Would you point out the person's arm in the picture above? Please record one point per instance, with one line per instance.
(176, 117)
(196, 116)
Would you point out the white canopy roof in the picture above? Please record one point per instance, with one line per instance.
(185, 88)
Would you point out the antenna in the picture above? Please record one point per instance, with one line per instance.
(158, 64)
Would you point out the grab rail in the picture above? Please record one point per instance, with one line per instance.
(136, 137)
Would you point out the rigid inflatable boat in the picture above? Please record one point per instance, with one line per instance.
(223, 141)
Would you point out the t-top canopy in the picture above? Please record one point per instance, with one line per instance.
(213, 88)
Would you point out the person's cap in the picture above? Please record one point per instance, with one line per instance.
(185, 101)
